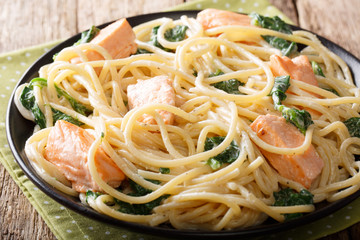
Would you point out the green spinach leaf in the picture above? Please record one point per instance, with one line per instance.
(353, 126)
(78, 107)
(164, 170)
(317, 69)
(91, 194)
(276, 24)
(58, 115)
(140, 209)
(230, 86)
(141, 51)
(88, 35)
(27, 99)
(332, 90)
(286, 47)
(176, 34)
(229, 155)
(281, 85)
(300, 118)
(289, 197)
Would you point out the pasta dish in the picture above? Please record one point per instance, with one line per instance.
(208, 123)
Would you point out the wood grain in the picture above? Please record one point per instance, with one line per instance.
(60, 19)
(335, 20)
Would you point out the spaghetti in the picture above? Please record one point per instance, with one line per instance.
(193, 194)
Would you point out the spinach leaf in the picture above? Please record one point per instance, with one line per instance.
(229, 155)
(91, 194)
(153, 39)
(332, 90)
(217, 73)
(88, 35)
(230, 86)
(286, 47)
(140, 209)
(353, 126)
(281, 84)
(289, 197)
(164, 170)
(300, 118)
(272, 23)
(58, 115)
(317, 69)
(78, 107)
(176, 34)
(40, 82)
(141, 51)
(27, 99)
(276, 24)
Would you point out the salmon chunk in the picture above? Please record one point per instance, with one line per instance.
(210, 18)
(117, 38)
(299, 68)
(154, 90)
(302, 168)
(68, 146)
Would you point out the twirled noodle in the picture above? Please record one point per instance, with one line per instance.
(238, 194)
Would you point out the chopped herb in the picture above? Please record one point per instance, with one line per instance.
(353, 126)
(164, 170)
(102, 134)
(317, 69)
(229, 155)
(140, 209)
(289, 197)
(78, 107)
(276, 24)
(300, 118)
(230, 86)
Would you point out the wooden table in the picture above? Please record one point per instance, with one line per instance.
(25, 23)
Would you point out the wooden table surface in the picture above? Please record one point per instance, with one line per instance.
(25, 23)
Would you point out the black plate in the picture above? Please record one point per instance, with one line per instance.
(18, 130)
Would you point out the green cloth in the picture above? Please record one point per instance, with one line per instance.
(66, 224)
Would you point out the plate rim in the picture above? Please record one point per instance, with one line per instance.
(159, 231)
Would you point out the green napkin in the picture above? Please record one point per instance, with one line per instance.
(66, 224)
